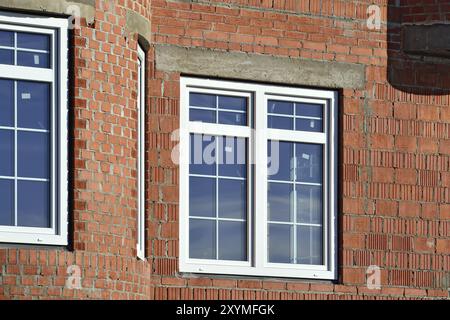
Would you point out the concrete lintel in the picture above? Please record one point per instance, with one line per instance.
(428, 40)
(135, 23)
(86, 8)
(258, 67)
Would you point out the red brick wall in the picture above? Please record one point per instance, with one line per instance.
(395, 166)
(103, 241)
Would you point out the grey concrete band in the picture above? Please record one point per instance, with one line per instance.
(86, 8)
(257, 67)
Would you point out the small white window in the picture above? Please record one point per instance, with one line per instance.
(141, 155)
(33, 129)
(257, 179)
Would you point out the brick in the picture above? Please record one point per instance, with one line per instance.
(250, 284)
(443, 246)
(392, 291)
(292, 286)
(424, 245)
(383, 175)
(408, 144)
(386, 208)
(354, 276)
(319, 287)
(406, 176)
(224, 283)
(271, 285)
(409, 209)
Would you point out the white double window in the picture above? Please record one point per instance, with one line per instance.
(33, 129)
(258, 179)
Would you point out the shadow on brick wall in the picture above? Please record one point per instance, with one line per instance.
(419, 46)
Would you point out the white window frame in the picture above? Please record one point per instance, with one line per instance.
(57, 77)
(258, 135)
(140, 246)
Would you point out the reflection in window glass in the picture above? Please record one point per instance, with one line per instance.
(6, 56)
(232, 240)
(295, 116)
(218, 109)
(33, 155)
(202, 100)
(232, 199)
(202, 239)
(33, 105)
(309, 245)
(280, 205)
(279, 240)
(7, 103)
(33, 204)
(6, 38)
(34, 41)
(233, 154)
(309, 204)
(6, 152)
(202, 195)
(202, 152)
(233, 103)
(7, 202)
(33, 59)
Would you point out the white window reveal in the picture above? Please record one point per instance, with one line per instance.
(33, 129)
(257, 179)
(141, 155)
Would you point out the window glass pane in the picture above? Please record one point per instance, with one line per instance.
(309, 245)
(285, 123)
(281, 153)
(309, 204)
(309, 110)
(202, 100)
(33, 41)
(7, 202)
(232, 118)
(308, 125)
(232, 199)
(6, 56)
(202, 197)
(6, 38)
(233, 103)
(202, 239)
(6, 153)
(33, 209)
(280, 243)
(33, 155)
(33, 103)
(6, 103)
(309, 162)
(225, 102)
(232, 241)
(202, 154)
(33, 59)
(280, 204)
(280, 107)
(202, 115)
(233, 157)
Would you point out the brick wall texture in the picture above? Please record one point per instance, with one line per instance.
(394, 166)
